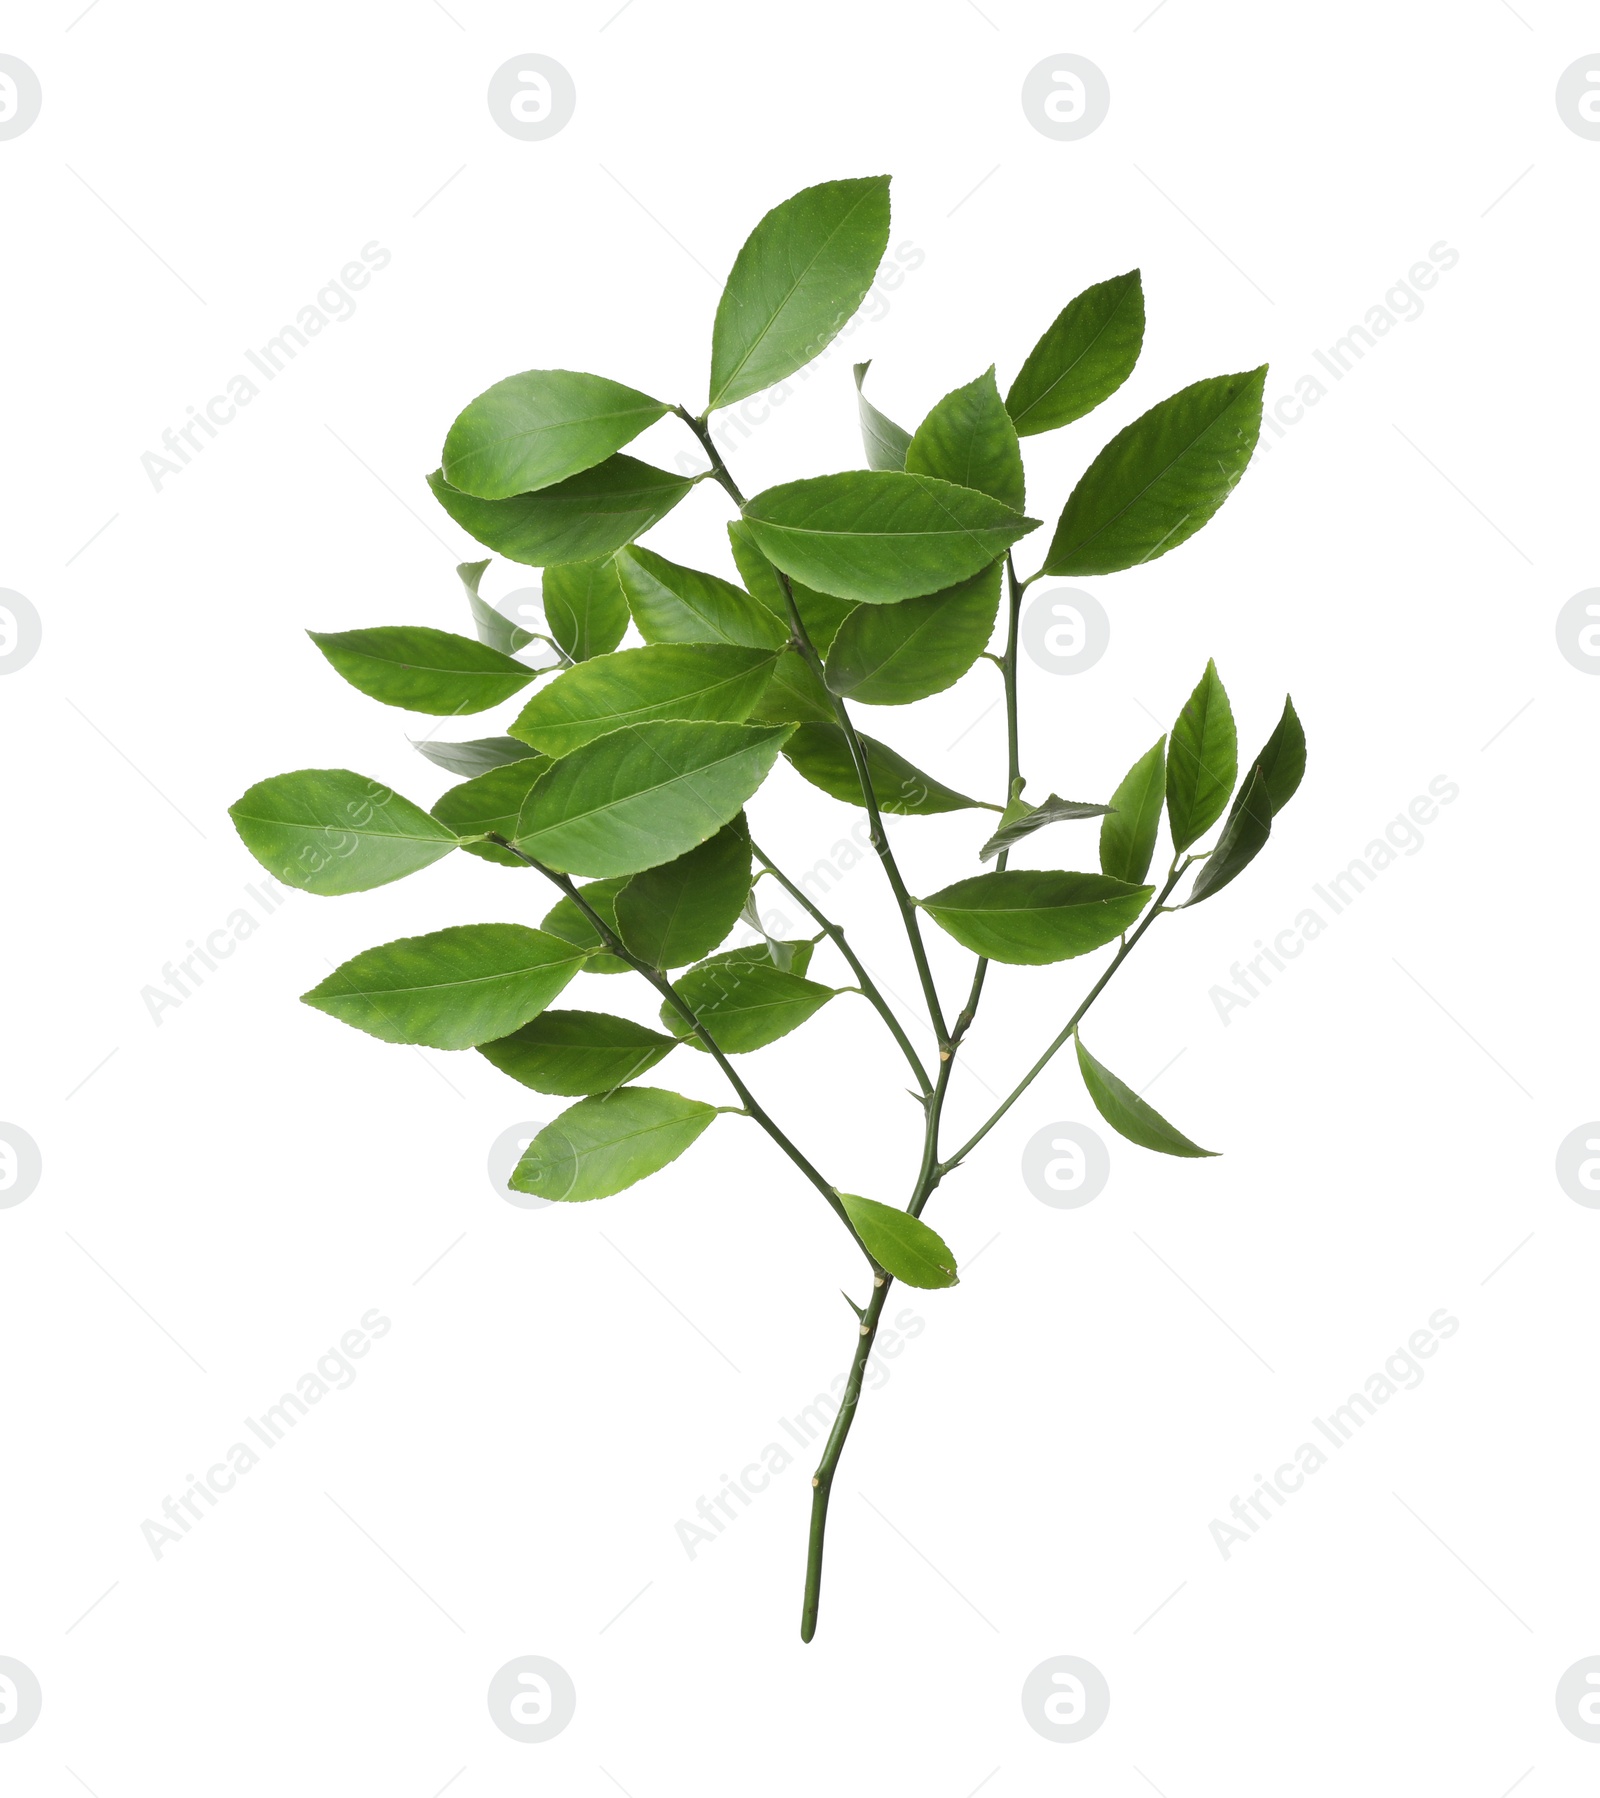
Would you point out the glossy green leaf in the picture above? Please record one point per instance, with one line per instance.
(644, 794)
(892, 655)
(491, 624)
(879, 537)
(585, 607)
(672, 604)
(902, 1245)
(744, 1001)
(821, 754)
(423, 670)
(796, 283)
(1128, 836)
(476, 756)
(969, 440)
(534, 429)
(586, 516)
(1282, 760)
(792, 956)
(490, 802)
(566, 920)
(1202, 762)
(1243, 838)
(634, 686)
(601, 1145)
(675, 914)
(884, 441)
(820, 613)
(1035, 917)
(570, 1053)
(1159, 480)
(1082, 359)
(326, 830)
(1034, 817)
(794, 695)
(451, 989)
(1127, 1113)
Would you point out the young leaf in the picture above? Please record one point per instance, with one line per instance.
(969, 440)
(476, 756)
(820, 613)
(671, 604)
(820, 753)
(1032, 918)
(1082, 359)
(601, 1145)
(884, 441)
(674, 914)
(490, 801)
(796, 283)
(1159, 480)
(1243, 838)
(1127, 1113)
(745, 1003)
(571, 1053)
(1203, 761)
(566, 920)
(1031, 818)
(451, 989)
(326, 830)
(644, 794)
(633, 686)
(491, 624)
(902, 1245)
(423, 670)
(881, 537)
(585, 607)
(1128, 836)
(1283, 760)
(534, 429)
(892, 655)
(586, 516)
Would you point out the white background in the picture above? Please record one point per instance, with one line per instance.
(237, 1184)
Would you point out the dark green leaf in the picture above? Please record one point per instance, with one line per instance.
(878, 537)
(672, 604)
(892, 655)
(492, 625)
(796, 283)
(644, 794)
(477, 756)
(902, 1245)
(1128, 836)
(586, 516)
(884, 441)
(744, 1002)
(820, 613)
(570, 1053)
(534, 429)
(969, 440)
(451, 989)
(674, 914)
(821, 754)
(423, 670)
(1159, 480)
(491, 801)
(1283, 760)
(1082, 359)
(1035, 817)
(567, 921)
(1203, 762)
(326, 830)
(1127, 1113)
(585, 607)
(1031, 918)
(1243, 838)
(601, 1145)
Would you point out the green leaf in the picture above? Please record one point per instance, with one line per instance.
(579, 519)
(601, 1145)
(644, 794)
(884, 441)
(451, 989)
(791, 956)
(799, 278)
(969, 440)
(1283, 759)
(534, 429)
(902, 1245)
(570, 1053)
(877, 537)
(326, 830)
(672, 604)
(821, 753)
(794, 695)
(585, 607)
(491, 801)
(1203, 762)
(565, 920)
(674, 914)
(1127, 1113)
(1082, 359)
(633, 686)
(892, 655)
(423, 670)
(744, 1002)
(1159, 480)
(1128, 836)
(1032, 918)
(477, 756)
(1243, 838)
(492, 625)
(820, 613)
(1034, 817)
